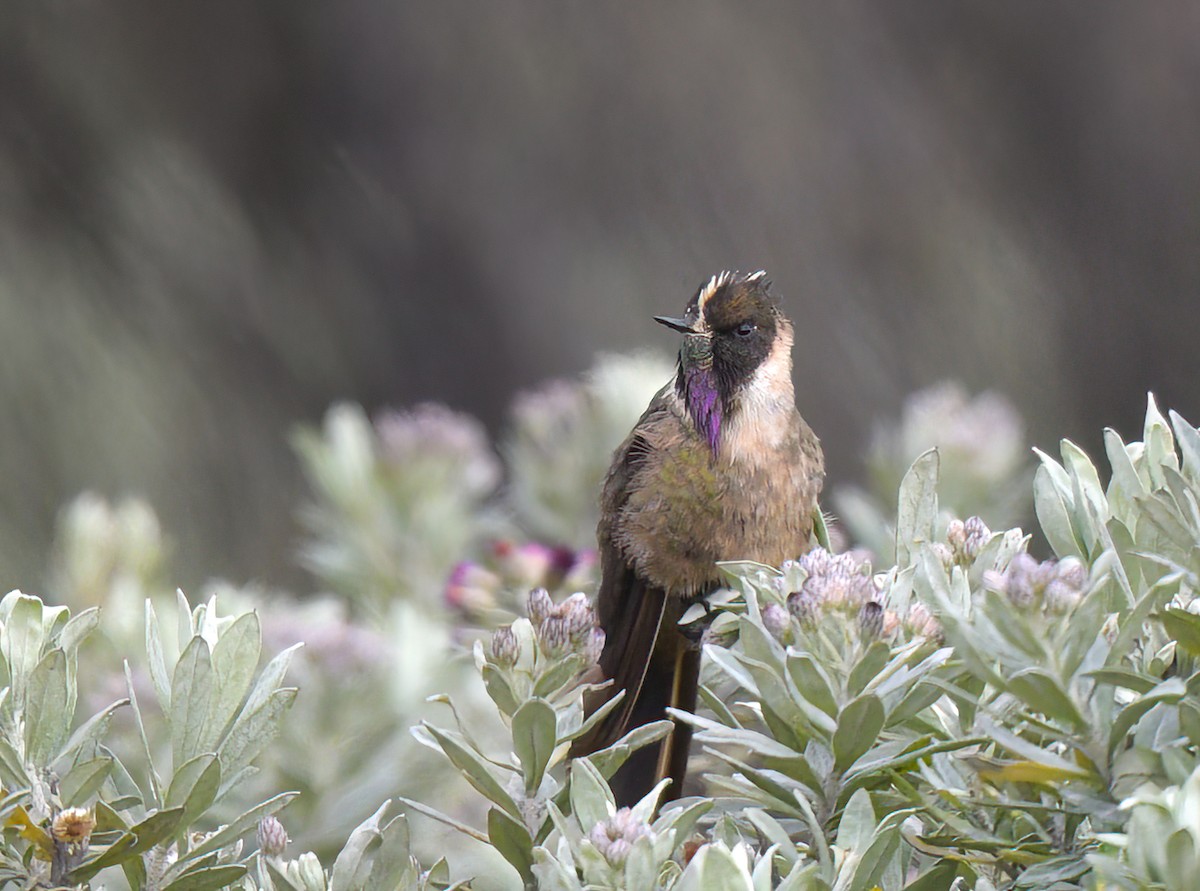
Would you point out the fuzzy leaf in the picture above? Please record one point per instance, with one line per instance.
(254, 730)
(1041, 692)
(1184, 628)
(474, 768)
(714, 868)
(591, 799)
(211, 877)
(513, 842)
(353, 864)
(191, 696)
(858, 727)
(49, 708)
(534, 736)
(156, 660)
(194, 786)
(84, 780)
(234, 661)
(917, 507)
(1189, 444)
(21, 641)
(1053, 513)
(857, 825)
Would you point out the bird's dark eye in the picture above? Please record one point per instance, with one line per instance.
(744, 330)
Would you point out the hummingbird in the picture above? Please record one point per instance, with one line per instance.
(721, 466)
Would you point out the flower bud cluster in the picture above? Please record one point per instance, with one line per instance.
(434, 433)
(506, 648)
(272, 837)
(964, 540)
(569, 627)
(1056, 585)
(614, 837)
(831, 580)
(475, 587)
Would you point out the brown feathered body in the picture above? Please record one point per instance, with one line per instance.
(701, 478)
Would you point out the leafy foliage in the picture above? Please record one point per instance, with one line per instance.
(937, 710)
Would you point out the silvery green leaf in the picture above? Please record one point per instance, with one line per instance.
(595, 717)
(191, 697)
(234, 661)
(12, 768)
(474, 768)
(608, 759)
(728, 663)
(21, 641)
(641, 866)
(84, 780)
(764, 869)
(126, 793)
(115, 853)
(719, 734)
(559, 673)
(858, 727)
(1170, 690)
(77, 628)
(353, 864)
(194, 786)
(156, 660)
(1159, 443)
(444, 819)
(939, 878)
(534, 736)
(777, 796)
(1175, 539)
(812, 681)
(84, 741)
(1125, 484)
(394, 860)
(1085, 478)
(49, 708)
(551, 875)
(714, 868)
(715, 704)
(803, 876)
(512, 840)
(880, 852)
(208, 879)
(499, 690)
(1041, 692)
(1188, 438)
(1030, 751)
(186, 627)
(857, 826)
(917, 506)
(868, 666)
(591, 800)
(1054, 514)
(771, 830)
(155, 828)
(270, 678)
(253, 730)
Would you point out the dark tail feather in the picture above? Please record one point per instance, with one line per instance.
(672, 680)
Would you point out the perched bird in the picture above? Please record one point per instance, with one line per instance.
(720, 467)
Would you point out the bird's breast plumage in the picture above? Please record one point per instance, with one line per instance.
(678, 507)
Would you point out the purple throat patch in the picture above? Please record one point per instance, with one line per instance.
(703, 404)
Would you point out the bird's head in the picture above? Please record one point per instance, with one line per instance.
(733, 331)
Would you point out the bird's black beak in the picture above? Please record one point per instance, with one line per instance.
(678, 324)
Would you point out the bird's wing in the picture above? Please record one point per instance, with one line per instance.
(630, 610)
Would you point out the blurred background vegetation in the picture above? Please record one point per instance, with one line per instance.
(217, 218)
